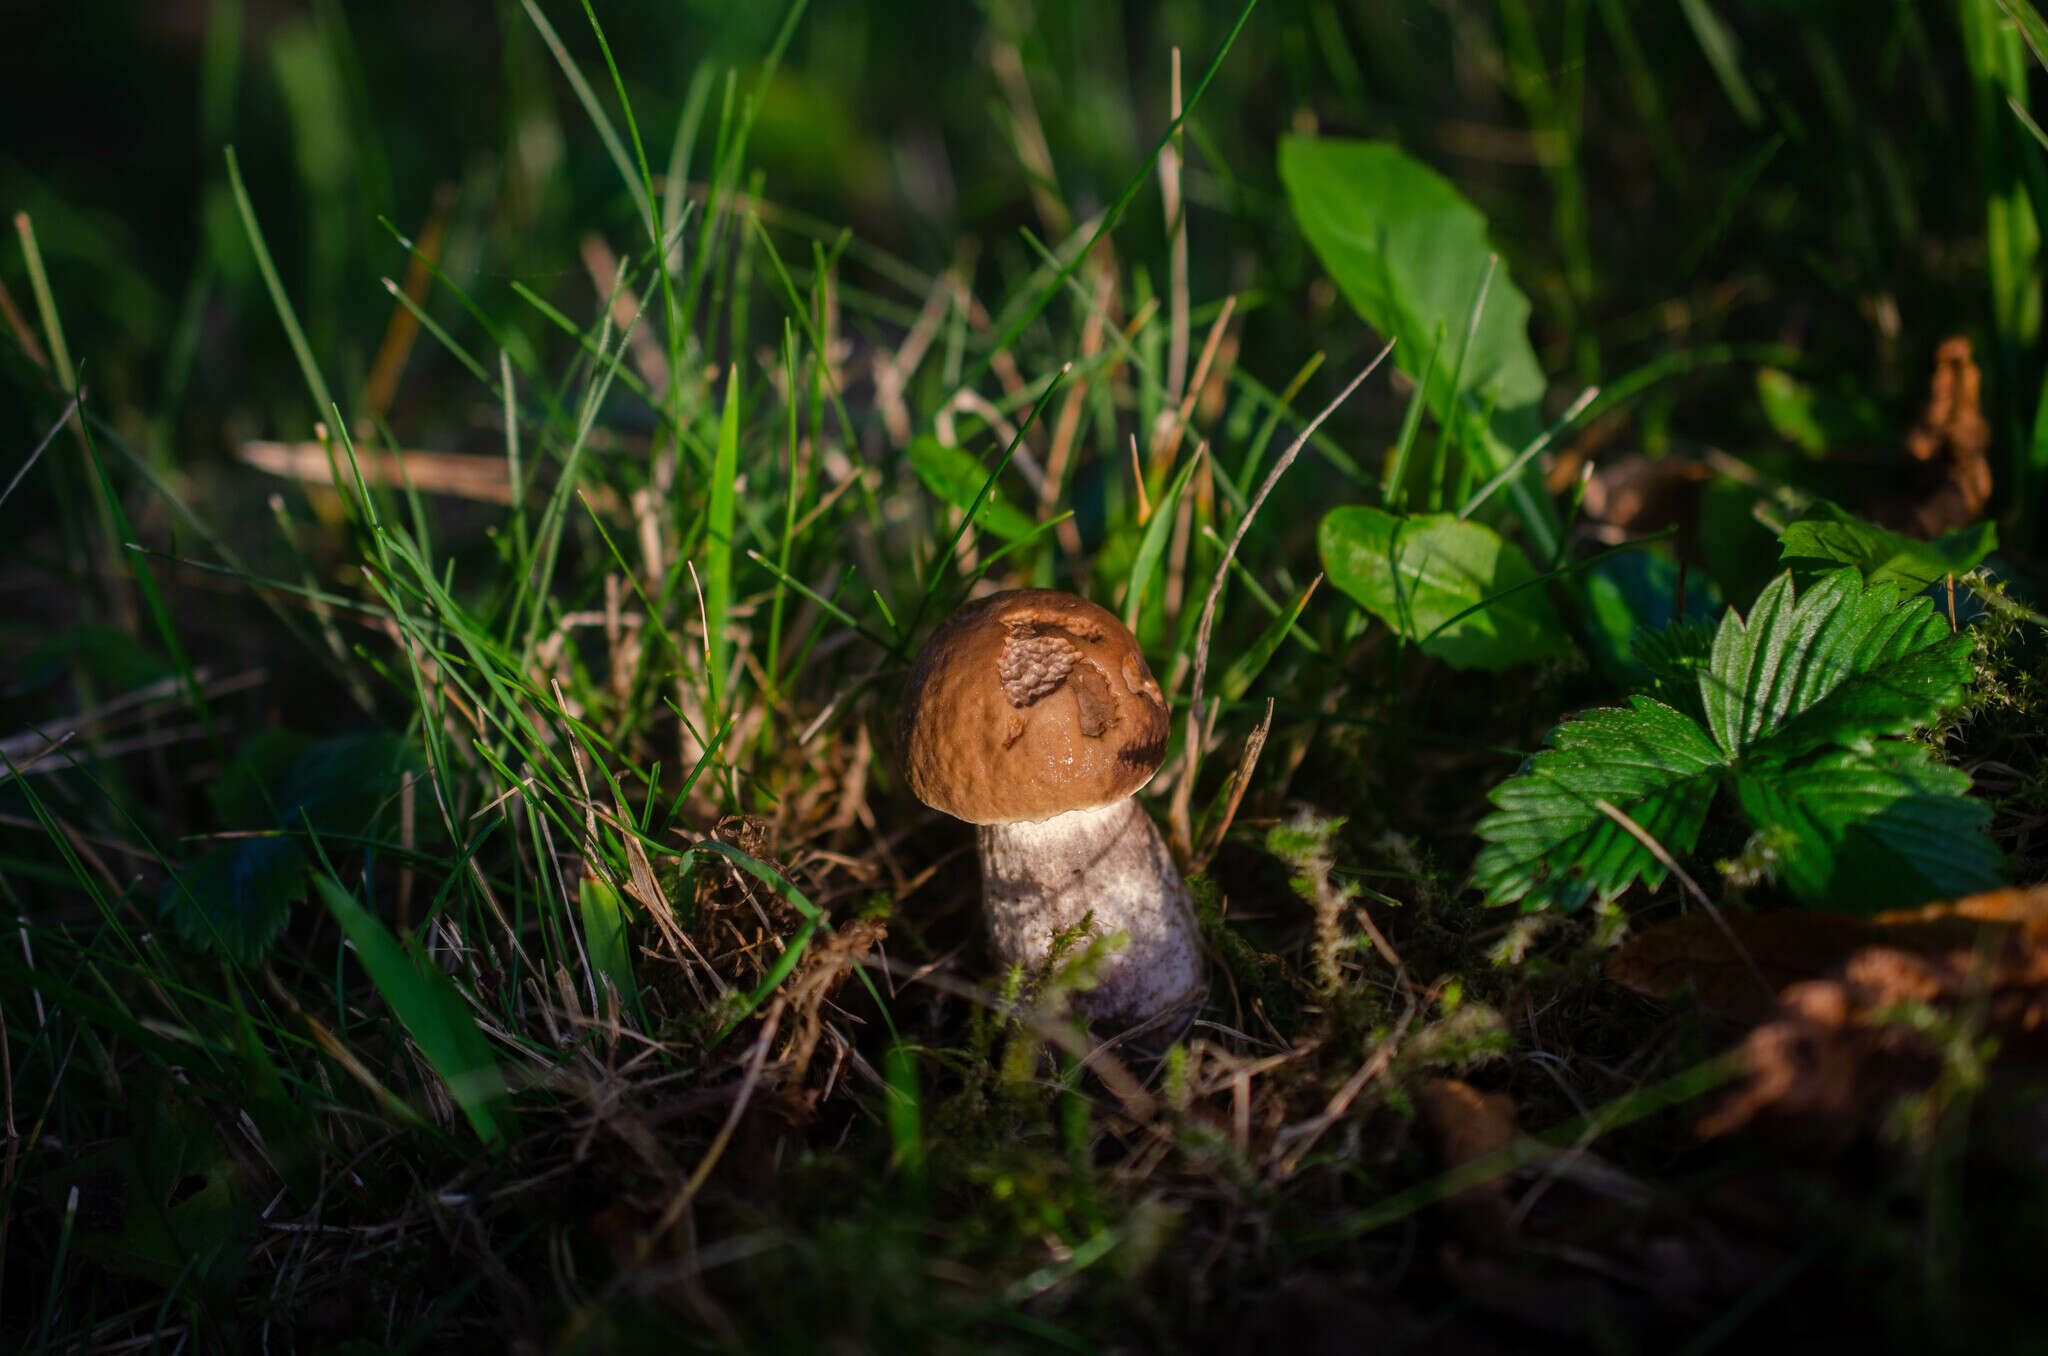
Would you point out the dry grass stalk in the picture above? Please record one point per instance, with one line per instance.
(1008, 64)
(459, 475)
(626, 311)
(402, 330)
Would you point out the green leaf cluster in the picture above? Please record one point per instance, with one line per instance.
(1796, 714)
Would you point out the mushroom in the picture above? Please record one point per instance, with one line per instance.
(1031, 714)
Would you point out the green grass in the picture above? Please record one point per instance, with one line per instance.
(462, 893)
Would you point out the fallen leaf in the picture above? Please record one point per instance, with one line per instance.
(1949, 442)
(1736, 964)
(1633, 496)
(1469, 1124)
(1823, 1066)
(1833, 1048)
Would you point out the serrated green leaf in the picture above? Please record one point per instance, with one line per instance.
(234, 900)
(1799, 698)
(1417, 574)
(427, 1005)
(1548, 842)
(339, 783)
(1827, 536)
(953, 474)
(1674, 657)
(1870, 830)
(1842, 664)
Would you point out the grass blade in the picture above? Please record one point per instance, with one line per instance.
(1246, 668)
(1394, 489)
(604, 934)
(294, 335)
(427, 1005)
(1152, 546)
(717, 572)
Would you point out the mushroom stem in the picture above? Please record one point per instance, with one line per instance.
(1044, 876)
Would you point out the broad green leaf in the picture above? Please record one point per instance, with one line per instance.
(1408, 251)
(1827, 536)
(427, 1005)
(1843, 664)
(1548, 842)
(953, 474)
(1632, 596)
(1886, 828)
(187, 1218)
(1419, 574)
(1815, 420)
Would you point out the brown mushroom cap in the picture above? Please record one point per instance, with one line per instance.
(1026, 705)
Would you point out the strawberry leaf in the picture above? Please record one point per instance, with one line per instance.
(1868, 830)
(1843, 664)
(1798, 706)
(1549, 843)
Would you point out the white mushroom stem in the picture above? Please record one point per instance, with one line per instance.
(1040, 878)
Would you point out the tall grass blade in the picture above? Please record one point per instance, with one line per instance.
(427, 1005)
(1152, 546)
(295, 336)
(1394, 489)
(717, 573)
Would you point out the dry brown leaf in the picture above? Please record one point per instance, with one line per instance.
(1949, 442)
(1926, 954)
(1720, 960)
(1633, 496)
(1469, 1124)
(1832, 1049)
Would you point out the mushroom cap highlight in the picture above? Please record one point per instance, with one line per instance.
(1029, 704)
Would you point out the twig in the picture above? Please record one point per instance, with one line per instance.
(1301, 1138)
(1254, 744)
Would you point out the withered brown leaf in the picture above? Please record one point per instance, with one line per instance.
(1830, 1049)
(1949, 442)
